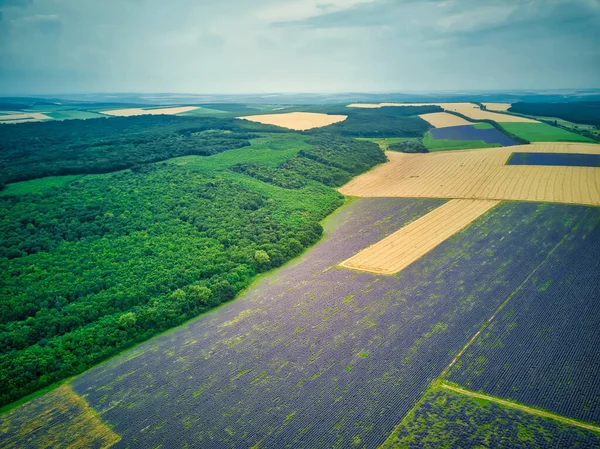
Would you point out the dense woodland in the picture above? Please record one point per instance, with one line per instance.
(91, 267)
(35, 150)
(390, 121)
(409, 146)
(585, 112)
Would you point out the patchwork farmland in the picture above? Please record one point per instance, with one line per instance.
(452, 300)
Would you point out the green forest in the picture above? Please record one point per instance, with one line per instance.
(91, 264)
(586, 112)
(56, 148)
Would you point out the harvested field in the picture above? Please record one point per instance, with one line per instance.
(443, 119)
(129, 112)
(24, 117)
(470, 110)
(482, 174)
(61, 419)
(497, 106)
(469, 132)
(410, 243)
(299, 121)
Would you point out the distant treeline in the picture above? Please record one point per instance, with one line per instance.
(585, 112)
(90, 268)
(35, 150)
(389, 121)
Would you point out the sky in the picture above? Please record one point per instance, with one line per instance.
(261, 46)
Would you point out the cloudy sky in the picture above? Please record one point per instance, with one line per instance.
(252, 46)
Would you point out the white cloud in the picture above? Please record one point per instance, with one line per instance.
(288, 11)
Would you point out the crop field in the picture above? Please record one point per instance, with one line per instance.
(470, 110)
(555, 159)
(130, 112)
(481, 174)
(399, 250)
(57, 419)
(23, 117)
(497, 106)
(356, 349)
(543, 349)
(489, 135)
(71, 114)
(444, 419)
(443, 119)
(299, 121)
(450, 145)
(542, 132)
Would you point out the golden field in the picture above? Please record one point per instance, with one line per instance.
(403, 247)
(482, 174)
(298, 121)
(444, 120)
(130, 112)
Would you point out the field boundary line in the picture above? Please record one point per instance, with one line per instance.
(506, 301)
(524, 408)
(410, 243)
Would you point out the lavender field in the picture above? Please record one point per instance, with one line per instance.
(544, 349)
(318, 356)
(469, 132)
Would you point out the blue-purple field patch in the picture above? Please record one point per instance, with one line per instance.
(469, 132)
(555, 159)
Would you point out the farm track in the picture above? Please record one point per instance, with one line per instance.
(521, 407)
(482, 174)
(408, 244)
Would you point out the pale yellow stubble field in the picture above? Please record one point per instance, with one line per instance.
(482, 174)
(403, 247)
(298, 121)
(444, 120)
(470, 110)
(24, 117)
(130, 112)
(497, 106)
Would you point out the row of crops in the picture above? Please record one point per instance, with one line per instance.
(319, 356)
(544, 348)
(448, 420)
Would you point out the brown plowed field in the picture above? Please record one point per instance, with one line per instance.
(482, 174)
(399, 250)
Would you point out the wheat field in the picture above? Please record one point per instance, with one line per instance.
(482, 174)
(130, 112)
(470, 110)
(497, 106)
(403, 247)
(444, 120)
(298, 121)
